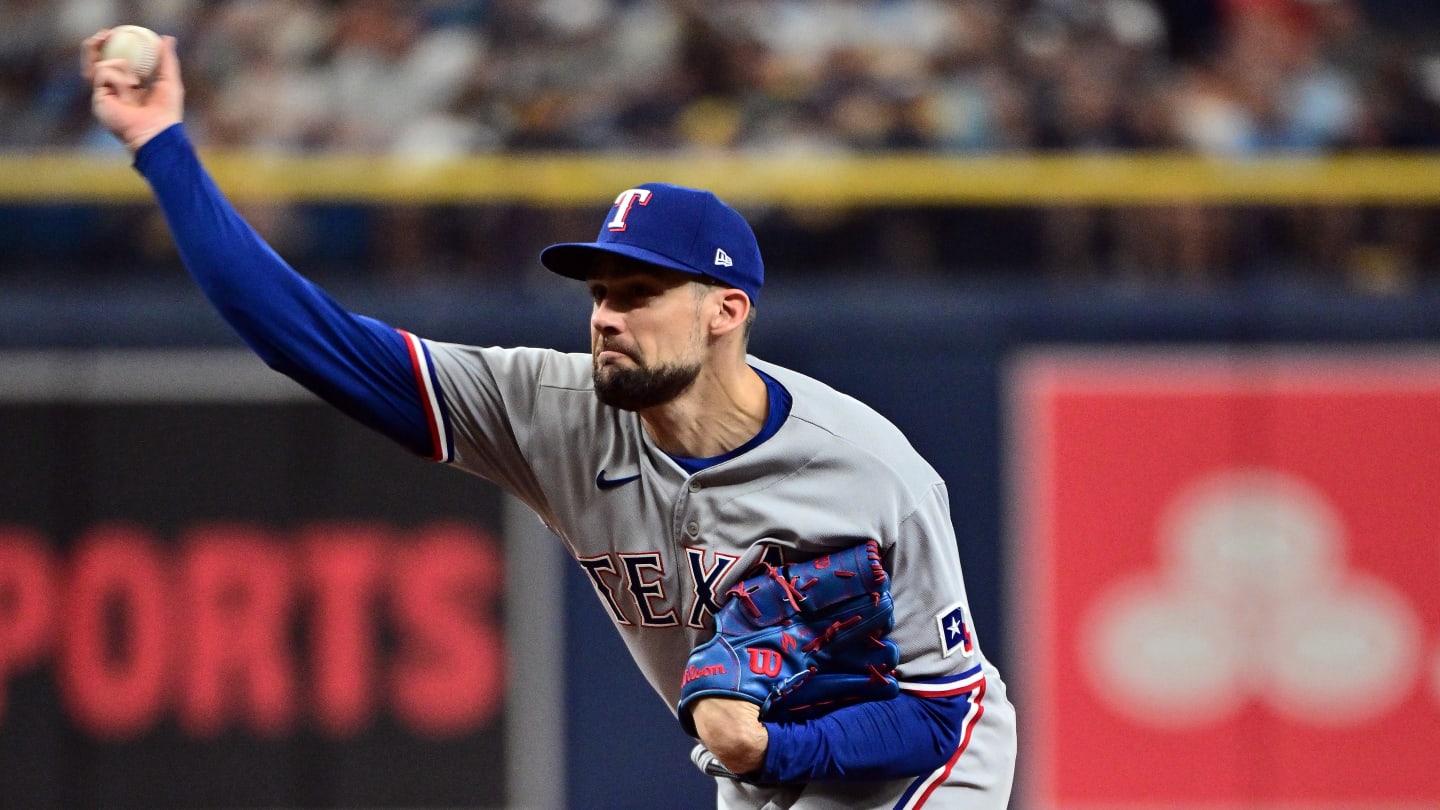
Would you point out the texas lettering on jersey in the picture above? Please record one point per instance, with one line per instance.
(631, 585)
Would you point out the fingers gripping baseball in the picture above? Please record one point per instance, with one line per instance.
(134, 111)
(801, 640)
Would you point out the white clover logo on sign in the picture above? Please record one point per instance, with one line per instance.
(1253, 602)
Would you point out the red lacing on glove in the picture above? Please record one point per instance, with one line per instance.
(793, 596)
(740, 593)
(830, 633)
(872, 550)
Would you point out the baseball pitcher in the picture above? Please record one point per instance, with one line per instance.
(779, 561)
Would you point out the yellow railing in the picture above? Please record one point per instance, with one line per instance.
(880, 180)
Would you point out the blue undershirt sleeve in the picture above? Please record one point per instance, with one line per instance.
(358, 364)
(890, 739)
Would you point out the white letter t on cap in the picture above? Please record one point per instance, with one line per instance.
(623, 203)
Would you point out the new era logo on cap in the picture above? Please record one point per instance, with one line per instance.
(680, 228)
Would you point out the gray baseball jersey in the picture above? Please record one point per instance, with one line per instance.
(660, 546)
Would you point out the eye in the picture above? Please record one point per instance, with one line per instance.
(597, 292)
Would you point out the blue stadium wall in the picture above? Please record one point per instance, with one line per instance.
(929, 356)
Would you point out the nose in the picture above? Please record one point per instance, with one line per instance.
(604, 320)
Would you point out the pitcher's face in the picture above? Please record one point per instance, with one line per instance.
(646, 340)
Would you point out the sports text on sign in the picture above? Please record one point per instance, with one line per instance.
(106, 627)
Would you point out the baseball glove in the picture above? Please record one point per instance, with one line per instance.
(800, 640)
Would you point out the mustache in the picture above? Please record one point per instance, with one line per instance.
(607, 344)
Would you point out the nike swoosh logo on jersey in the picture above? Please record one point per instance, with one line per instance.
(610, 483)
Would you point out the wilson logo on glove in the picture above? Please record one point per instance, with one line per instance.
(764, 662)
(813, 638)
(694, 673)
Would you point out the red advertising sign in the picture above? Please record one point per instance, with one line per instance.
(137, 631)
(1227, 579)
(212, 595)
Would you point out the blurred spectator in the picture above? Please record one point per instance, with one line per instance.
(973, 75)
(449, 77)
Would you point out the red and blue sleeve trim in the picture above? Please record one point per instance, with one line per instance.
(437, 418)
(966, 681)
(970, 684)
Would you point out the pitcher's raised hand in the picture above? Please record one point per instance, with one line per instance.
(133, 111)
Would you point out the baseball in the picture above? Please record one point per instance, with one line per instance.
(136, 45)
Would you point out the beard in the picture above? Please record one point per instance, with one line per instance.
(634, 389)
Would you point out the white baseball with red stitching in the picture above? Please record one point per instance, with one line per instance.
(135, 44)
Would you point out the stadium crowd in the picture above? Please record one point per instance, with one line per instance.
(444, 77)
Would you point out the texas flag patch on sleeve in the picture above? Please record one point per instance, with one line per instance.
(956, 634)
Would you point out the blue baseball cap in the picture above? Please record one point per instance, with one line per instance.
(685, 229)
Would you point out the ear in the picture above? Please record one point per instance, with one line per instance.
(729, 316)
